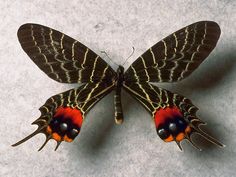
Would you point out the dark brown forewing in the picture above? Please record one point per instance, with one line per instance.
(176, 56)
(61, 57)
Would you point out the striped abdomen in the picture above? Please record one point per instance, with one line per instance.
(117, 96)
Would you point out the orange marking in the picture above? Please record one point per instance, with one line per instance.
(73, 114)
(56, 137)
(49, 130)
(170, 138)
(169, 112)
(187, 129)
(67, 139)
(180, 137)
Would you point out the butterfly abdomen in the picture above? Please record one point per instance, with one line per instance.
(117, 97)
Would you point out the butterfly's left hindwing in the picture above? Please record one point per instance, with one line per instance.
(62, 115)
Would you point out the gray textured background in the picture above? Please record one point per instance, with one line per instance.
(103, 148)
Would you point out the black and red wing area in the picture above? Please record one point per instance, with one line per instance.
(62, 115)
(174, 115)
(61, 57)
(176, 56)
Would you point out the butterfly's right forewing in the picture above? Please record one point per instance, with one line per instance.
(176, 56)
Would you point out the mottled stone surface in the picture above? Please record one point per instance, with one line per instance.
(103, 148)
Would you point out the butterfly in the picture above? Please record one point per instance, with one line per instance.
(66, 60)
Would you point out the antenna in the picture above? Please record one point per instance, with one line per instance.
(133, 49)
(109, 57)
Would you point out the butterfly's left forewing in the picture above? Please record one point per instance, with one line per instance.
(61, 57)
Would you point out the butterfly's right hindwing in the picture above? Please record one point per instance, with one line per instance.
(62, 115)
(174, 115)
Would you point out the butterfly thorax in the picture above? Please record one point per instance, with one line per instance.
(120, 76)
